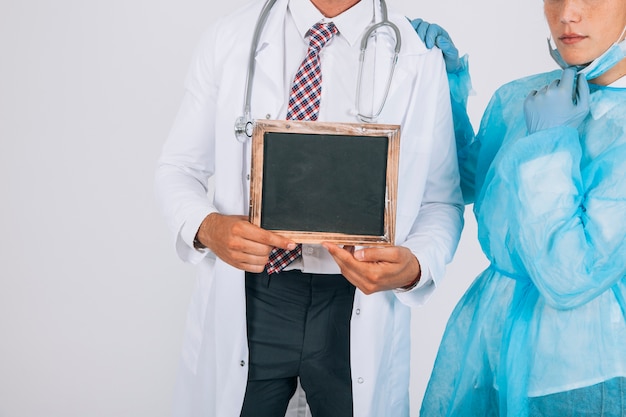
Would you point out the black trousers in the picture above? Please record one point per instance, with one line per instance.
(298, 327)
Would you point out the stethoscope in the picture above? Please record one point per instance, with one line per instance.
(244, 124)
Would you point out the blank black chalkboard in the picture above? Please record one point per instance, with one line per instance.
(325, 182)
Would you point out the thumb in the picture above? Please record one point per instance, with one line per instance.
(374, 255)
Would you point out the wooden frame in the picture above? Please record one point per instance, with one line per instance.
(339, 178)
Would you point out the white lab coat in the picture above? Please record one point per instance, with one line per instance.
(202, 144)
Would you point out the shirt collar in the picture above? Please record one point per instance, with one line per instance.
(619, 83)
(351, 23)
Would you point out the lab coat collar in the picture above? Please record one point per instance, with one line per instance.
(351, 23)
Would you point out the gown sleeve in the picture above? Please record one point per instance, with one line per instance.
(561, 213)
(467, 144)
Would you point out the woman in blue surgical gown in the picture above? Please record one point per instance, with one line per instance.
(542, 331)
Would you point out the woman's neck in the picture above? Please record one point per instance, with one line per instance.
(612, 75)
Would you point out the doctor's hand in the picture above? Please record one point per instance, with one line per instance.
(561, 103)
(238, 242)
(376, 269)
(434, 35)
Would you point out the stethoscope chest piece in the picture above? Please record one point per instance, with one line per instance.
(243, 128)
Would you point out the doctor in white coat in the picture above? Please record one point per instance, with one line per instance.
(202, 145)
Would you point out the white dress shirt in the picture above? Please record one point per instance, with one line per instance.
(337, 101)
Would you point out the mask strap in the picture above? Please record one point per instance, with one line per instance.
(621, 36)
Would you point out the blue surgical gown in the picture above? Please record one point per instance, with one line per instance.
(549, 313)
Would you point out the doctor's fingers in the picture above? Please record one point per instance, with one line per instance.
(371, 277)
(394, 266)
(240, 252)
(237, 234)
(390, 254)
(367, 276)
(244, 261)
(251, 250)
(258, 241)
(344, 256)
(254, 249)
(368, 256)
(272, 240)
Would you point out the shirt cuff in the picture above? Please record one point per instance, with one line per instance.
(184, 242)
(425, 279)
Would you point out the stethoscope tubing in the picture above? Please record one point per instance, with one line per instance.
(244, 123)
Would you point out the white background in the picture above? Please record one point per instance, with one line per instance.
(92, 296)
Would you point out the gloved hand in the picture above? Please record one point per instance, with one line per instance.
(561, 103)
(434, 35)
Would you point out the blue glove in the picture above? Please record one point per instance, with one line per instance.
(434, 35)
(563, 102)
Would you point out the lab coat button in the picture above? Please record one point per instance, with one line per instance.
(242, 363)
(358, 311)
(360, 380)
(268, 116)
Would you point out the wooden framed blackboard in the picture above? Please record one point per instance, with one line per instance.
(325, 182)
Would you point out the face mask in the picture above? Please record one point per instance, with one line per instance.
(598, 66)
